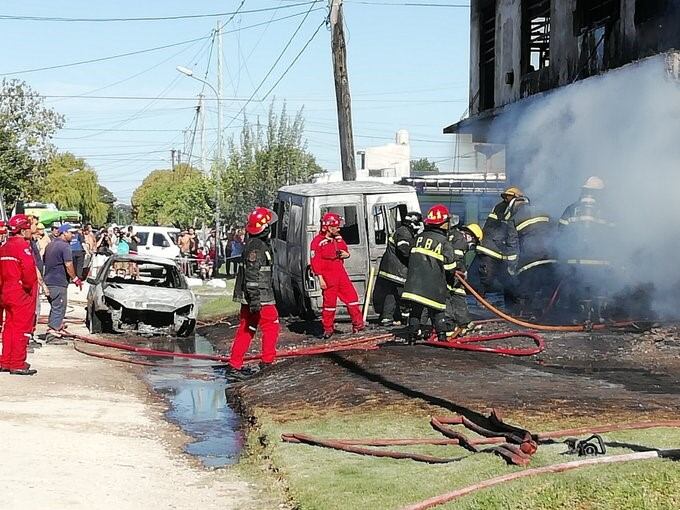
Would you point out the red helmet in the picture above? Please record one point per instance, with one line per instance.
(19, 222)
(3, 228)
(437, 215)
(259, 220)
(331, 220)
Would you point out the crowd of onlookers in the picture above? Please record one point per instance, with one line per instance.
(199, 257)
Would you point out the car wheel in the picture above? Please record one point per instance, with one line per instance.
(94, 324)
(187, 328)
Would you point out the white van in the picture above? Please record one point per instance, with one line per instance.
(157, 241)
(371, 210)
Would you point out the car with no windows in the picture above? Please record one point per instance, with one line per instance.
(140, 294)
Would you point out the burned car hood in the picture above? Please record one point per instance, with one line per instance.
(139, 297)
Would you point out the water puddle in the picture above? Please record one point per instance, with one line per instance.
(198, 403)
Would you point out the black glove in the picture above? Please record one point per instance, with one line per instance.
(255, 307)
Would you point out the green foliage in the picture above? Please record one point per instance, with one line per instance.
(26, 129)
(266, 158)
(72, 185)
(120, 214)
(423, 166)
(173, 197)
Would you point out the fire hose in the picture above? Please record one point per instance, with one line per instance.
(531, 325)
(469, 343)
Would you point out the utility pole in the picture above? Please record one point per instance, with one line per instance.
(342, 96)
(201, 127)
(172, 158)
(218, 167)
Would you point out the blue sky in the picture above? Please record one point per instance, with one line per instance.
(408, 69)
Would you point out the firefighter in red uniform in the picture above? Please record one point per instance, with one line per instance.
(19, 293)
(3, 240)
(255, 291)
(329, 252)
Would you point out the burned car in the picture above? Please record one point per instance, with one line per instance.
(140, 294)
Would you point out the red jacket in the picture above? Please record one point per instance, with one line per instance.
(17, 266)
(325, 260)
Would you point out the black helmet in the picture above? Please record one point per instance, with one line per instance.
(413, 220)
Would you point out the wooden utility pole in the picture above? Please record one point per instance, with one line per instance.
(342, 96)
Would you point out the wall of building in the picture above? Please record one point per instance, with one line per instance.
(386, 163)
(574, 54)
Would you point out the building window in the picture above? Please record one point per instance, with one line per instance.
(592, 14)
(535, 35)
(487, 56)
(647, 10)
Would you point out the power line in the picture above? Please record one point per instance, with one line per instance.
(147, 18)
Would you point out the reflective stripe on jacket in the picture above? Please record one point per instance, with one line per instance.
(394, 263)
(432, 256)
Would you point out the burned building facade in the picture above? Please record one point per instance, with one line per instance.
(521, 48)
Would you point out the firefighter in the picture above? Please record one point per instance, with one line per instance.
(255, 291)
(431, 258)
(3, 239)
(329, 252)
(19, 293)
(536, 267)
(463, 240)
(584, 232)
(394, 268)
(498, 253)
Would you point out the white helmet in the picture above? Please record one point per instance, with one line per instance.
(594, 182)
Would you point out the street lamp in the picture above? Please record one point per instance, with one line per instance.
(190, 73)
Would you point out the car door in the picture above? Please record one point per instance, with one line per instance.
(157, 244)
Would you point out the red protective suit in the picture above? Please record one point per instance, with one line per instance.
(19, 293)
(326, 263)
(267, 319)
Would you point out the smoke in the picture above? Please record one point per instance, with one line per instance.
(623, 126)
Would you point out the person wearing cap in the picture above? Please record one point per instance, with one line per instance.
(329, 251)
(584, 232)
(54, 229)
(19, 292)
(59, 271)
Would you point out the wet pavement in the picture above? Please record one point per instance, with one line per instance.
(196, 394)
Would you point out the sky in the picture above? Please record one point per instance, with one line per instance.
(408, 69)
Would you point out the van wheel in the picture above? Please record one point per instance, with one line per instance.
(94, 325)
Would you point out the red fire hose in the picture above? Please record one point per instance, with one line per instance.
(469, 343)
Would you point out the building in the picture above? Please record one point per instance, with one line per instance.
(386, 163)
(523, 48)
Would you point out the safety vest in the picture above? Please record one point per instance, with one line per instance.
(432, 257)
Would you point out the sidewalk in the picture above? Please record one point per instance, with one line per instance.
(85, 433)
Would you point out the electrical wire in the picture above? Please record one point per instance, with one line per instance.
(147, 18)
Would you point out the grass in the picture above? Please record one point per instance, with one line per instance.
(318, 478)
(217, 303)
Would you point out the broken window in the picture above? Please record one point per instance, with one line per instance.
(535, 35)
(284, 220)
(350, 230)
(487, 56)
(595, 13)
(647, 10)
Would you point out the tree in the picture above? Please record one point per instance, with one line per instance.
(266, 158)
(26, 130)
(71, 184)
(121, 214)
(173, 197)
(423, 166)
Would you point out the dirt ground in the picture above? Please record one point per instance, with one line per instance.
(86, 433)
(615, 375)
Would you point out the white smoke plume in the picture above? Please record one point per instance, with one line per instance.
(623, 126)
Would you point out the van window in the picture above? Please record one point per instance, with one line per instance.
(295, 222)
(143, 237)
(159, 240)
(284, 220)
(350, 232)
(383, 226)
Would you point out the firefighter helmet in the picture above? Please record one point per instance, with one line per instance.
(413, 219)
(259, 220)
(512, 192)
(475, 230)
(593, 182)
(331, 220)
(19, 222)
(437, 215)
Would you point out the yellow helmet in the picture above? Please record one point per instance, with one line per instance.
(513, 192)
(475, 230)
